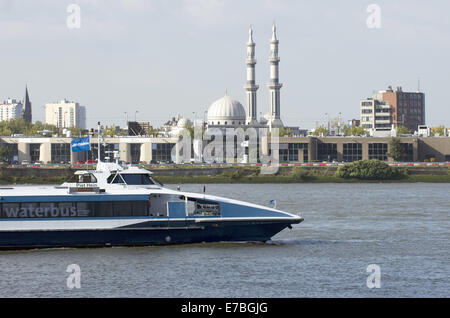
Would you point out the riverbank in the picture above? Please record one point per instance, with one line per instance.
(233, 174)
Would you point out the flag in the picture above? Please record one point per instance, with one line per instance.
(81, 144)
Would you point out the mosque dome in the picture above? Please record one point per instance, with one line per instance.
(263, 120)
(226, 111)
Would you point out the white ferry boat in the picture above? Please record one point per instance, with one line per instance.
(120, 206)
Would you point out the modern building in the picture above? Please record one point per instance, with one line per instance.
(389, 108)
(65, 114)
(291, 149)
(58, 149)
(11, 109)
(375, 115)
(348, 149)
(408, 108)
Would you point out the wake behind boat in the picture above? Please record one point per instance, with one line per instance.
(115, 205)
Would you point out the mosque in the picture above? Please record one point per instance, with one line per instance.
(228, 113)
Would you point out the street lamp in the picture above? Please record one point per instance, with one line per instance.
(135, 113)
(339, 124)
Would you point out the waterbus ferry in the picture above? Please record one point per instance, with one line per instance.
(126, 206)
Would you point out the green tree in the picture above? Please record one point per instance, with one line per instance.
(404, 130)
(190, 128)
(395, 149)
(353, 131)
(109, 131)
(20, 126)
(285, 132)
(438, 131)
(320, 130)
(75, 131)
(366, 170)
(4, 153)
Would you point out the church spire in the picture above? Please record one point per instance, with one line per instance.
(26, 113)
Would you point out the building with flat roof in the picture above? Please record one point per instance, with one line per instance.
(65, 114)
(407, 108)
(389, 108)
(11, 109)
(166, 149)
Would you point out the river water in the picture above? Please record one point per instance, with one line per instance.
(401, 230)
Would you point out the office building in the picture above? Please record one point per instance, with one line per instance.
(65, 114)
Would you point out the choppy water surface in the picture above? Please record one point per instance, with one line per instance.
(402, 228)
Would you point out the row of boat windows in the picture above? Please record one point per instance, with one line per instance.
(130, 179)
(98, 209)
(75, 209)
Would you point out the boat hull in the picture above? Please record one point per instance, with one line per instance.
(162, 233)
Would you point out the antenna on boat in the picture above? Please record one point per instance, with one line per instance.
(98, 141)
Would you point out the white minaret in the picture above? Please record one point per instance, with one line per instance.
(274, 85)
(250, 86)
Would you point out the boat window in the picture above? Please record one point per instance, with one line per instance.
(115, 178)
(83, 178)
(197, 207)
(140, 208)
(131, 179)
(122, 208)
(74, 209)
(87, 178)
(103, 209)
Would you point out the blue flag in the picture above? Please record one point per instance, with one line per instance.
(81, 144)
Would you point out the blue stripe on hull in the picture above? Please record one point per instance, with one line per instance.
(244, 231)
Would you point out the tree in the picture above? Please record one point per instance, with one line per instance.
(320, 130)
(285, 132)
(20, 126)
(438, 131)
(366, 170)
(353, 131)
(190, 129)
(4, 153)
(75, 131)
(110, 131)
(395, 149)
(404, 130)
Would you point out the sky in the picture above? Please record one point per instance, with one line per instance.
(156, 59)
